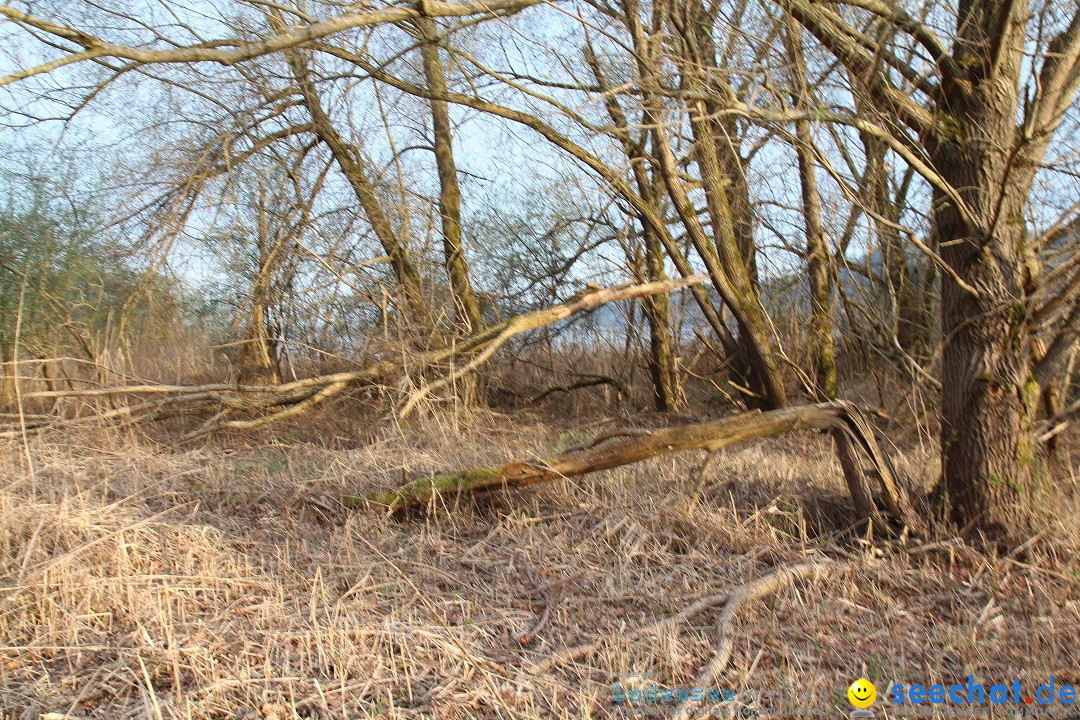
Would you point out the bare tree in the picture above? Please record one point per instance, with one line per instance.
(350, 159)
(728, 251)
(981, 163)
(662, 365)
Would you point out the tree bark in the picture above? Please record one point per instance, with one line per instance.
(818, 271)
(662, 366)
(982, 168)
(989, 391)
(822, 344)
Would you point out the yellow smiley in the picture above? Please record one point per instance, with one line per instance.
(862, 693)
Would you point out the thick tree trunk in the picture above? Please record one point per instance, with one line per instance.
(457, 267)
(989, 395)
(982, 168)
(989, 392)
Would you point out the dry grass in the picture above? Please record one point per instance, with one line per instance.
(138, 580)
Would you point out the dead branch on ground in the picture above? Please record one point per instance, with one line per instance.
(588, 382)
(733, 602)
(743, 595)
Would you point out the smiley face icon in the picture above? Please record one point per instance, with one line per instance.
(862, 693)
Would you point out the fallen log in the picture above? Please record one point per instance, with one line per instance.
(837, 417)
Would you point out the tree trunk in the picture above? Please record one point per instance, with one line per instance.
(982, 169)
(352, 167)
(732, 271)
(989, 393)
(733, 166)
(662, 368)
(822, 345)
(725, 267)
(257, 359)
(7, 379)
(840, 418)
(728, 257)
(457, 267)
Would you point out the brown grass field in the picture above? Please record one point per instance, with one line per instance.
(143, 580)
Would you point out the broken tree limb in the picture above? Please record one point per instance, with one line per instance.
(712, 435)
(588, 382)
(288, 399)
(1056, 425)
(587, 300)
(288, 411)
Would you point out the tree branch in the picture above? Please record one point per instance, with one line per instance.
(1059, 79)
(300, 395)
(827, 28)
(952, 75)
(239, 51)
